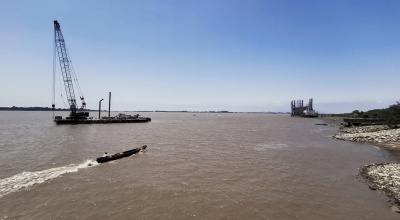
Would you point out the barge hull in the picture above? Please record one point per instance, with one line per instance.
(101, 121)
(309, 116)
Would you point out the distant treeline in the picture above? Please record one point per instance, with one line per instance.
(14, 108)
(197, 111)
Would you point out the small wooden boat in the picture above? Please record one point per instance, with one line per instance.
(120, 155)
(321, 124)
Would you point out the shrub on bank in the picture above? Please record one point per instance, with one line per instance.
(391, 115)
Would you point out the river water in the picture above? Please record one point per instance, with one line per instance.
(208, 166)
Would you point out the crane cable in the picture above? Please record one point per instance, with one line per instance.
(59, 78)
(62, 97)
(54, 76)
(74, 74)
(54, 70)
(70, 64)
(75, 77)
(54, 73)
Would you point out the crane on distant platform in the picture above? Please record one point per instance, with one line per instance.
(68, 75)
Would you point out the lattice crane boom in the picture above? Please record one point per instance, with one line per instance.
(67, 71)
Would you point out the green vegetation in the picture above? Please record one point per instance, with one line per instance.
(390, 115)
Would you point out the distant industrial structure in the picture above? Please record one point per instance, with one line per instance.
(298, 109)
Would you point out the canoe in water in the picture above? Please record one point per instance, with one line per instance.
(120, 155)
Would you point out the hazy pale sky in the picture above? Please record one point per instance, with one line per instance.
(205, 55)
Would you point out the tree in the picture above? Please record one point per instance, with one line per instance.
(391, 115)
(356, 112)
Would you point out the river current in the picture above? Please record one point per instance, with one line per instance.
(197, 166)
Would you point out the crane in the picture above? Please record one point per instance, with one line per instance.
(68, 75)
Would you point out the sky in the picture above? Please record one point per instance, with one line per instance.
(205, 55)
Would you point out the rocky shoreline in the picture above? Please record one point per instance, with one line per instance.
(385, 177)
(380, 135)
(381, 176)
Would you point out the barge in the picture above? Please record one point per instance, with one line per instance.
(120, 118)
(309, 113)
(79, 115)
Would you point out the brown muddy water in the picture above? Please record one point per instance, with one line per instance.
(208, 166)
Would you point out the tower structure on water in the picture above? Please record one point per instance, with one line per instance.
(298, 108)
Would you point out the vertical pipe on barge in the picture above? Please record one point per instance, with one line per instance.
(100, 107)
(109, 104)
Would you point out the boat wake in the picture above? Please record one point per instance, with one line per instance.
(26, 179)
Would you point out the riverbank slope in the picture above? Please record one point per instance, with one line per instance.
(381, 176)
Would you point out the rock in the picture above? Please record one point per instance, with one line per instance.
(385, 177)
(395, 209)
